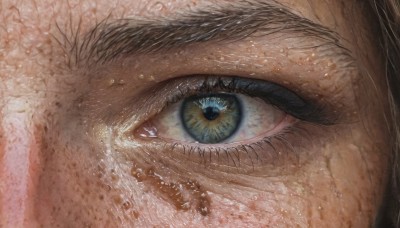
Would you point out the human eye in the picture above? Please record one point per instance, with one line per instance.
(227, 121)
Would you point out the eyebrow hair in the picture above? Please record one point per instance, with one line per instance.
(235, 21)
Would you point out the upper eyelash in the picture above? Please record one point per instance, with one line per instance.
(307, 111)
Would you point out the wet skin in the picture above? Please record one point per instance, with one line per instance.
(71, 147)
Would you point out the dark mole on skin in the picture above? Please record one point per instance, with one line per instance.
(174, 192)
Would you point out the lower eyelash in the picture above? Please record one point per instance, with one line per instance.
(273, 150)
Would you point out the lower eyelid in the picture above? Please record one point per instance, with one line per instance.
(280, 151)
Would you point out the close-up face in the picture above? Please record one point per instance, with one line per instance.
(192, 113)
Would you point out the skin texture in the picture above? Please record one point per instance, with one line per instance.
(69, 156)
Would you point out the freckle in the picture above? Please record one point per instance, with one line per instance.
(253, 206)
(135, 214)
(117, 199)
(58, 104)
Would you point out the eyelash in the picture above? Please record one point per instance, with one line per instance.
(234, 154)
(270, 92)
(289, 147)
(266, 150)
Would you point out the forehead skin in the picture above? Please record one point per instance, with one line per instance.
(55, 174)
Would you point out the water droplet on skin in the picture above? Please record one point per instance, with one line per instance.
(138, 174)
(114, 177)
(141, 76)
(175, 193)
(185, 206)
(111, 82)
(158, 6)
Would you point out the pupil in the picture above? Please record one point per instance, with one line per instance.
(211, 113)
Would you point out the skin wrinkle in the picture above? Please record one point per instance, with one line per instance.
(376, 92)
(74, 191)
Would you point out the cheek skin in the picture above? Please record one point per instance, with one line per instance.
(100, 190)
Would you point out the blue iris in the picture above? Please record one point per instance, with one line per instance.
(211, 118)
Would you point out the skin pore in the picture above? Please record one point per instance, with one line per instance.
(74, 104)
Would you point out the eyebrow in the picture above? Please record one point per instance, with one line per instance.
(235, 21)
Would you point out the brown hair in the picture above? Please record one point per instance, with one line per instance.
(388, 16)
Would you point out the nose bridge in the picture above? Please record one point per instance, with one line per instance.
(19, 162)
(26, 57)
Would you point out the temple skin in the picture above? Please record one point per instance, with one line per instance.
(63, 165)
